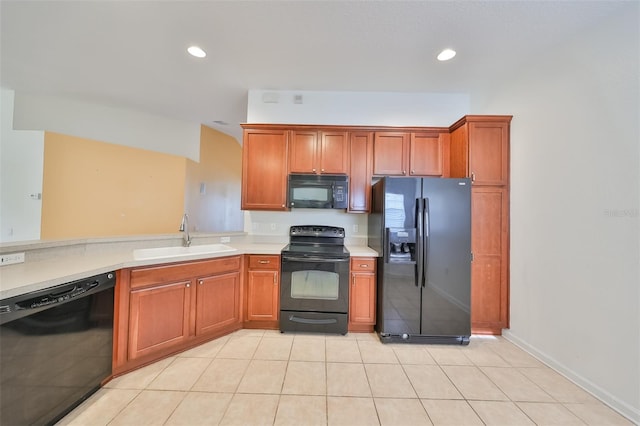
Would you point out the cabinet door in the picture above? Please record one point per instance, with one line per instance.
(360, 160)
(303, 156)
(264, 169)
(489, 269)
(362, 297)
(263, 294)
(390, 153)
(362, 308)
(489, 153)
(334, 152)
(158, 318)
(217, 302)
(425, 156)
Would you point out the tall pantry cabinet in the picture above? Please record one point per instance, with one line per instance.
(479, 149)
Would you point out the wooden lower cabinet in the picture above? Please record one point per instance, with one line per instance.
(158, 318)
(490, 266)
(217, 303)
(163, 309)
(362, 294)
(263, 291)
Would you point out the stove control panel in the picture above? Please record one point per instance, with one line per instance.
(316, 231)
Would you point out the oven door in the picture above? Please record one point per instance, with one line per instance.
(314, 284)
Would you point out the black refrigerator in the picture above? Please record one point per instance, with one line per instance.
(421, 227)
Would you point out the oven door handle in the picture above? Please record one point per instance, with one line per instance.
(294, 318)
(312, 259)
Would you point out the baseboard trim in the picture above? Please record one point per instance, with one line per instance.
(626, 410)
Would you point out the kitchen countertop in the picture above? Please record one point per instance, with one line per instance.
(70, 265)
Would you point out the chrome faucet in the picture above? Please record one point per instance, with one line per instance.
(184, 228)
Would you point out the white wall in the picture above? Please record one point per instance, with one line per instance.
(276, 224)
(21, 159)
(575, 254)
(104, 123)
(356, 108)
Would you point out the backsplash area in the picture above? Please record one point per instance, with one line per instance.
(278, 223)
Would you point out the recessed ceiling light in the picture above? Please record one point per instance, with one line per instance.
(446, 54)
(196, 51)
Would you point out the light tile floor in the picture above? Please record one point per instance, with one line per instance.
(258, 377)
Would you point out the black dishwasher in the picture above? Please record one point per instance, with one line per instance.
(56, 348)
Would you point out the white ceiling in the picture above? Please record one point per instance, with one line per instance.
(133, 53)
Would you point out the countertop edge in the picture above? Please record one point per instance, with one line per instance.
(37, 275)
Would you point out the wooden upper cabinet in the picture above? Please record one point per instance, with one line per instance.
(360, 169)
(425, 154)
(318, 152)
(480, 149)
(391, 153)
(264, 169)
(408, 153)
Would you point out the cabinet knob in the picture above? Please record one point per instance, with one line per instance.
(188, 285)
(322, 170)
(200, 282)
(313, 170)
(413, 172)
(404, 172)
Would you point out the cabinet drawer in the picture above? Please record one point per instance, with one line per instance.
(264, 261)
(141, 277)
(363, 264)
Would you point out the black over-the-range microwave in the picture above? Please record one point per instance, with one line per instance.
(318, 191)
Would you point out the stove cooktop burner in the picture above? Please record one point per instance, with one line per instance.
(310, 250)
(322, 241)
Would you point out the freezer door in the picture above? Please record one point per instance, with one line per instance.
(446, 294)
(398, 288)
(398, 299)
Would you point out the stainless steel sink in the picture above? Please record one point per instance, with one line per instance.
(162, 252)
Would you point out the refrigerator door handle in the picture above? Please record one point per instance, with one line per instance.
(425, 241)
(419, 248)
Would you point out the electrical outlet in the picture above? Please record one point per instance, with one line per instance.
(355, 229)
(225, 239)
(10, 258)
(273, 226)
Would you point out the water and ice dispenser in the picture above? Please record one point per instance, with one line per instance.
(401, 245)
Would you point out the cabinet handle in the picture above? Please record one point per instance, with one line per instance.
(473, 177)
(404, 172)
(364, 265)
(275, 280)
(264, 261)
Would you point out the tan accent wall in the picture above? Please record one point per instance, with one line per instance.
(94, 188)
(215, 208)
